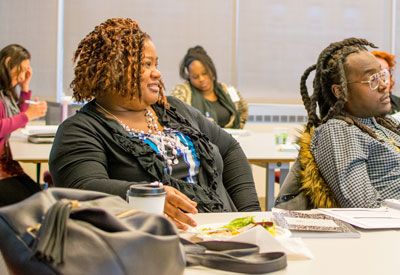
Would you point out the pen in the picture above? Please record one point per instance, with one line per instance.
(31, 102)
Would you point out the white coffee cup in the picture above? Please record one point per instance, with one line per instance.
(148, 198)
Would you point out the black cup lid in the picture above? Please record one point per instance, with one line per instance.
(143, 190)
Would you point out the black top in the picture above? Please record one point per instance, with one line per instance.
(223, 114)
(94, 152)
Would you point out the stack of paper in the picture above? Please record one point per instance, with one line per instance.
(40, 129)
(313, 225)
(385, 217)
(40, 133)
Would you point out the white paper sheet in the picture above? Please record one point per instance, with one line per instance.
(39, 129)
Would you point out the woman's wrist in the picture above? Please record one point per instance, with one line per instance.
(25, 89)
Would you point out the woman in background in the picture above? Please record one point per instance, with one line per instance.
(217, 101)
(15, 70)
(387, 62)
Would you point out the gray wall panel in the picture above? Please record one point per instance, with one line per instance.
(277, 39)
(33, 24)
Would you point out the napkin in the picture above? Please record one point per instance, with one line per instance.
(294, 248)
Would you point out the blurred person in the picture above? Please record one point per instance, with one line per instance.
(15, 113)
(217, 101)
(388, 62)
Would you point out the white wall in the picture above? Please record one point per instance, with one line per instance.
(33, 24)
(174, 25)
(279, 39)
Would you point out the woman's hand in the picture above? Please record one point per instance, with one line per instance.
(36, 110)
(26, 80)
(175, 204)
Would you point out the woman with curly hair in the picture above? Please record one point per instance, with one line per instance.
(388, 62)
(15, 69)
(130, 133)
(218, 101)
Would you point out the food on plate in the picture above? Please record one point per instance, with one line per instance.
(238, 226)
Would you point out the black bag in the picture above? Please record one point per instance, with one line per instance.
(86, 232)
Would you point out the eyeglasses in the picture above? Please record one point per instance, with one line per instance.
(375, 79)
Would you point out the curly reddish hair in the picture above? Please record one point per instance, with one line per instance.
(390, 59)
(109, 60)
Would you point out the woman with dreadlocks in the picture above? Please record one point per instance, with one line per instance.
(349, 152)
(130, 133)
(218, 101)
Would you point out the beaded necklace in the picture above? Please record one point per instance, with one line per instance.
(169, 146)
(151, 122)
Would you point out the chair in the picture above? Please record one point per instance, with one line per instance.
(73, 107)
(47, 179)
(54, 117)
(53, 114)
(304, 188)
(290, 196)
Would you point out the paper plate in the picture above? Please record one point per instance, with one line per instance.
(203, 232)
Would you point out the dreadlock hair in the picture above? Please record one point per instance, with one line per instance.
(110, 61)
(16, 55)
(330, 69)
(199, 54)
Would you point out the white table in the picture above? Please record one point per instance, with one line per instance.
(24, 151)
(374, 253)
(260, 149)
